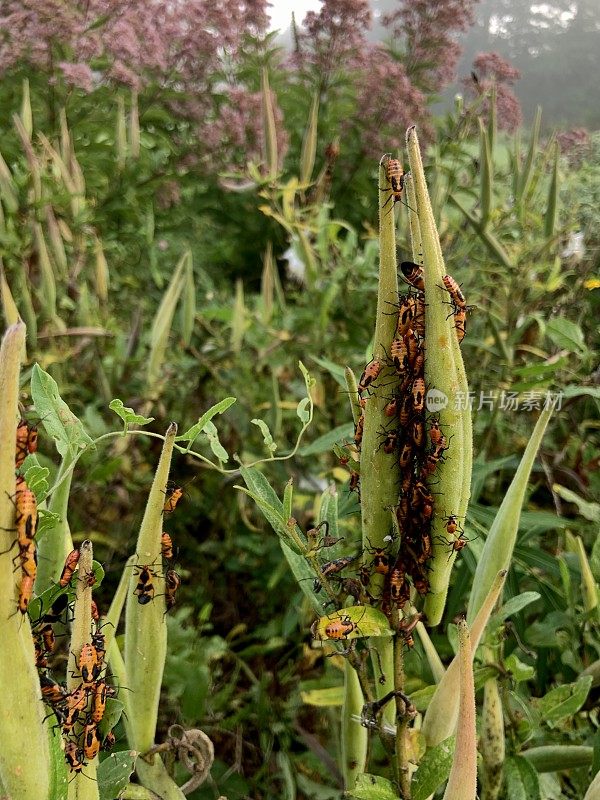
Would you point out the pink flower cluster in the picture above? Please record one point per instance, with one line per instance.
(426, 31)
(129, 41)
(491, 68)
(575, 145)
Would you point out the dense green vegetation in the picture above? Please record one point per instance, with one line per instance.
(164, 285)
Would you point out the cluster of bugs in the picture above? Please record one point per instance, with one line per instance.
(80, 712)
(146, 573)
(413, 437)
(26, 516)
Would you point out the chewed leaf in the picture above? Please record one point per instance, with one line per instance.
(114, 772)
(128, 415)
(267, 437)
(302, 411)
(212, 435)
(373, 787)
(199, 426)
(36, 477)
(57, 418)
(354, 622)
(46, 521)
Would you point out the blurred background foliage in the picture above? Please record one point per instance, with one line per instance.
(185, 224)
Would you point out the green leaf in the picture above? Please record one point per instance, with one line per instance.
(588, 510)
(191, 434)
(46, 521)
(357, 622)
(326, 442)
(322, 698)
(212, 435)
(372, 787)
(434, 769)
(288, 494)
(128, 415)
(36, 477)
(518, 670)
(302, 411)
(112, 714)
(576, 391)
(566, 334)
(114, 772)
(267, 437)
(515, 604)
(521, 779)
(57, 418)
(336, 372)
(564, 701)
(303, 573)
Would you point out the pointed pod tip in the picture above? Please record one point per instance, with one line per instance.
(172, 429)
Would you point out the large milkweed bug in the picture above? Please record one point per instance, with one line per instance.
(52, 692)
(399, 588)
(74, 757)
(418, 394)
(332, 568)
(91, 741)
(71, 562)
(381, 560)
(26, 441)
(413, 274)
(369, 375)
(89, 664)
(460, 323)
(25, 592)
(98, 701)
(407, 626)
(358, 431)
(144, 590)
(395, 175)
(109, 741)
(166, 546)
(407, 309)
(75, 702)
(173, 496)
(458, 298)
(341, 627)
(435, 433)
(172, 583)
(399, 357)
(418, 432)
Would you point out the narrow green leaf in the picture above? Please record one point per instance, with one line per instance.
(514, 605)
(566, 334)
(57, 418)
(198, 428)
(309, 142)
(267, 436)
(59, 782)
(288, 494)
(163, 320)
(188, 305)
(271, 158)
(325, 443)
(551, 215)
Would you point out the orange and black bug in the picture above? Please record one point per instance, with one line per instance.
(460, 323)
(405, 410)
(421, 585)
(89, 664)
(91, 741)
(341, 627)
(25, 592)
(354, 485)
(144, 590)
(413, 274)
(435, 433)
(75, 702)
(389, 441)
(395, 176)
(458, 298)
(452, 525)
(26, 513)
(358, 431)
(399, 588)
(364, 574)
(418, 432)
(95, 612)
(406, 628)
(332, 568)
(420, 315)
(405, 455)
(109, 741)
(391, 408)
(407, 309)
(28, 558)
(99, 701)
(370, 374)
(52, 692)
(48, 637)
(26, 441)
(166, 546)
(74, 757)
(399, 357)
(380, 561)
(172, 583)
(69, 568)
(98, 642)
(418, 394)
(173, 496)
